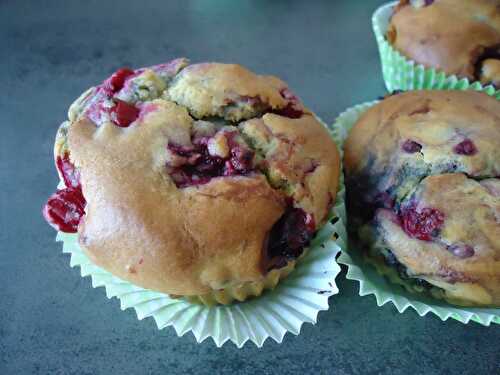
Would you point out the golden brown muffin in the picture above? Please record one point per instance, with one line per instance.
(193, 179)
(460, 37)
(422, 183)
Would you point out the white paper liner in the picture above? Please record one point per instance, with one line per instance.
(296, 300)
(401, 73)
(371, 282)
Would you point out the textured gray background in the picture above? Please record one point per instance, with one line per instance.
(51, 320)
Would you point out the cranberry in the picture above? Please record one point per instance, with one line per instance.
(421, 224)
(289, 111)
(461, 251)
(293, 108)
(411, 147)
(118, 78)
(201, 167)
(123, 113)
(289, 235)
(70, 174)
(466, 147)
(208, 165)
(287, 94)
(64, 209)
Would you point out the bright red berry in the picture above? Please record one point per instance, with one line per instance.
(70, 174)
(422, 223)
(118, 78)
(64, 209)
(123, 113)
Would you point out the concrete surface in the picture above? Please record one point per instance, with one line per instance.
(51, 320)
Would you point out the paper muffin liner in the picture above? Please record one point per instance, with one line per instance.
(371, 282)
(401, 73)
(296, 300)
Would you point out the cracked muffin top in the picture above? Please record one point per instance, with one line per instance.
(422, 183)
(418, 133)
(460, 37)
(191, 178)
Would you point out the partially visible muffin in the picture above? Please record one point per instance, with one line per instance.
(202, 180)
(460, 37)
(422, 177)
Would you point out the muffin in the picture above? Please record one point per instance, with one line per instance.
(423, 192)
(459, 37)
(205, 181)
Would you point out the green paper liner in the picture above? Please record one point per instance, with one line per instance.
(371, 282)
(401, 73)
(296, 300)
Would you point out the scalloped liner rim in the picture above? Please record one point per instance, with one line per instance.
(326, 269)
(330, 251)
(355, 272)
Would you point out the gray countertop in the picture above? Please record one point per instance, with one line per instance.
(52, 321)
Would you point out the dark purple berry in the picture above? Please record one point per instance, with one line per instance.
(289, 235)
(466, 147)
(411, 147)
(461, 250)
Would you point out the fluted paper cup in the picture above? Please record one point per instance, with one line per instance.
(373, 283)
(401, 73)
(296, 300)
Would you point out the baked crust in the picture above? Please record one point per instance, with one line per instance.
(438, 121)
(225, 90)
(192, 240)
(430, 161)
(297, 159)
(449, 35)
(471, 212)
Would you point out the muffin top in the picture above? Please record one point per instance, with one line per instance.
(448, 233)
(460, 37)
(422, 171)
(194, 177)
(415, 134)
